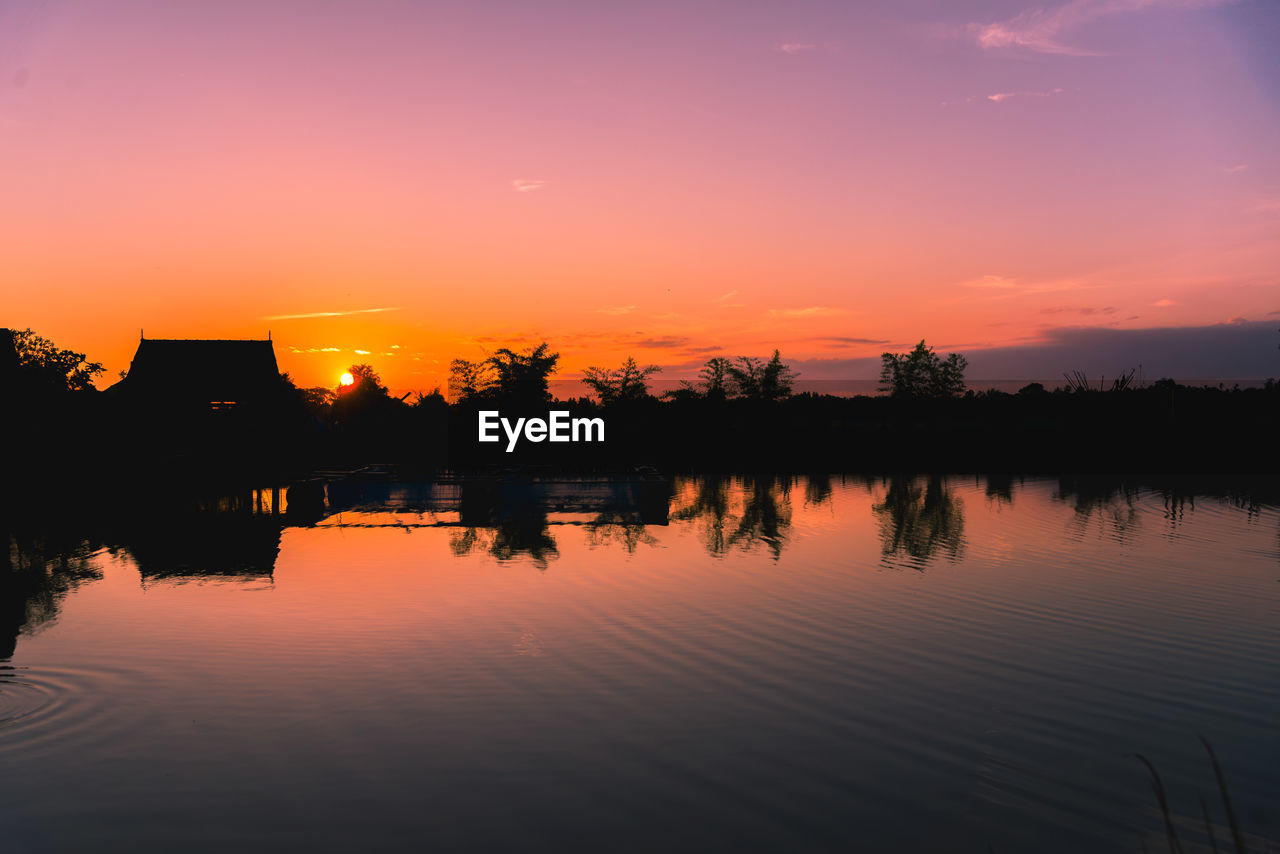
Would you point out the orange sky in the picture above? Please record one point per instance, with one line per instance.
(646, 179)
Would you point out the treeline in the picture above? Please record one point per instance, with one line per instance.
(740, 414)
(743, 414)
(511, 377)
(508, 376)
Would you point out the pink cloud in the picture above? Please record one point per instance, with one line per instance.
(1042, 30)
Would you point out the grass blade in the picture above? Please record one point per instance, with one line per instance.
(1175, 844)
(1236, 836)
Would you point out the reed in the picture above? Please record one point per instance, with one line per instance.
(1171, 834)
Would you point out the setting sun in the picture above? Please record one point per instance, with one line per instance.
(346, 379)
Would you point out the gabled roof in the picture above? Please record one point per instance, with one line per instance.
(203, 369)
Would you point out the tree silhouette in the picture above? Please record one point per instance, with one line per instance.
(777, 379)
(45, 366)
(922, 373)
(756, 379)
(316, 401)
(623, 384)
(434, 398)
(367, 382)
(715, 378)
(523, 376)
(469, 380)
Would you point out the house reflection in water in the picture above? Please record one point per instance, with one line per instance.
(231, 536)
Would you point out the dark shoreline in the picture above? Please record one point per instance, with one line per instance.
(81, 438)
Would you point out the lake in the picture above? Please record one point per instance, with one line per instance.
(821, 663)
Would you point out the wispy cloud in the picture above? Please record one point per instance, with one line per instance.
(811, 311)
(1239, 167)
(361, 352)
(797, 47)
(328, 313)
(1085, 310)
(1004, 96)
(616, 309)
(991, 282)
(845, 339)
(1000, 287)
(522, 185)
(663, 342)
(1043, 30)
(726, 297)
(1163, 303)
(513, 338)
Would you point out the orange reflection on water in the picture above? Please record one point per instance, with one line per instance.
(827, 647)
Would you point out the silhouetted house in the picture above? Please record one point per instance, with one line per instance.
(202, 375)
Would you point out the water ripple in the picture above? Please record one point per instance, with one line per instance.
(58, 708)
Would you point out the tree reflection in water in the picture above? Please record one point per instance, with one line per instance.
(705, 501)
(737, 513)
(920, 518)
(506, 529)
(999, 489)
(45, 555)
(508, 538)
(625, 529)
(1110, 502)
(817, 489)
(766, 514)
(39, 566)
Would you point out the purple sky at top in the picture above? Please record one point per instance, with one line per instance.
(657, 179)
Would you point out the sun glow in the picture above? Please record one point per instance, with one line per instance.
(346, 379)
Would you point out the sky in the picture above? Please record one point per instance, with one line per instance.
(403, 183)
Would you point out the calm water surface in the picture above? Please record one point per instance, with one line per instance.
(892, 664)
